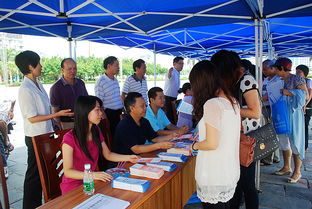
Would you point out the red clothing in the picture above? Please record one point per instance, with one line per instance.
(79, 159)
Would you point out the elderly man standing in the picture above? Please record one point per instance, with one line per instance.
(137, 81)
(108, 90)
(269, 72)
(65, 91)
(172, 85)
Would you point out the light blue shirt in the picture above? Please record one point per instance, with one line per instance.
(159, 121)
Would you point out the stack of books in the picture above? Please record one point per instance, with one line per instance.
(136, 185)
(166, 166)
(172, 157)
(182, 147)
(148, 160)
(146, 171)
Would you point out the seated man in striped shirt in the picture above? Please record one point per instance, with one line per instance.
(137, 81)
(108, 90)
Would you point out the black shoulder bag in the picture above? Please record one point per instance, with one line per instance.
(266, 138)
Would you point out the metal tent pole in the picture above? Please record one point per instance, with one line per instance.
(260, 55)
(121, 71)
(74, 54)
(257, 47)
(155, 76)
(69, 31)
(257, 178)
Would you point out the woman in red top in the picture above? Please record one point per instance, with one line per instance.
(83, 144)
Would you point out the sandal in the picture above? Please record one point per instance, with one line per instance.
(282, 173)
(293, 181)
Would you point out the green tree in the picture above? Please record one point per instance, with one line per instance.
(12, 70)
(51, 69)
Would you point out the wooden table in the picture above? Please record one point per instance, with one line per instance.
(171, 191)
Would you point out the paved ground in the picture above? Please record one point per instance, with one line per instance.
(276, 192)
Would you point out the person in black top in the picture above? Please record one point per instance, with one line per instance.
(133, 131)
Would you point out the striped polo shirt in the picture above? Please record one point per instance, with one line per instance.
(133, 84)
(108, 91)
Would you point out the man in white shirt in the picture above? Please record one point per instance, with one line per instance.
(137, 81)
(269, 72)
(108, 90)
(172, 85)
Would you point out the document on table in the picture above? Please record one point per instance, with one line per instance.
(274, 90)
(101, 201)
(185, 108)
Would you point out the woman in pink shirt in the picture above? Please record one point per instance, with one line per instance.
(83, 145)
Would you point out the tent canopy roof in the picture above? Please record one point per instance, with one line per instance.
(193, 28)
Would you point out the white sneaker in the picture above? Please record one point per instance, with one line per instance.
(6, 172)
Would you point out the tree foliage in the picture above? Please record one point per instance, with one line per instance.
(89, 68)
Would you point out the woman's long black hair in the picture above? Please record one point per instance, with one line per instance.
(205, 84)
(83, 106)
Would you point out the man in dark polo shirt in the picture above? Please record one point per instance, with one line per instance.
(65, 91)
(133, 131)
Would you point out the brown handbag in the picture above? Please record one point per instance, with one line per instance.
(246, 149)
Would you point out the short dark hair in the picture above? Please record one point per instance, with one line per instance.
(137, 64)
(304, 69)
(130, 100)
(249, 67)
(109, 60)
(66, 59)
(26, 58)
(184, 88)
(177, 59)
(152, 93)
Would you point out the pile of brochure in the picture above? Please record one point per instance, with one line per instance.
(182, 147)
(146, 171)
(136, 185)
(166, 166)
(172, 157)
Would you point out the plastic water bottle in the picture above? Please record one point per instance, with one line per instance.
(88, 183)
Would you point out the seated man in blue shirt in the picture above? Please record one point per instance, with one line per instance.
(133, 130)
(157, 117)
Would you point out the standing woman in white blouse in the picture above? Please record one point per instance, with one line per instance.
(36, 112)
(217, 164)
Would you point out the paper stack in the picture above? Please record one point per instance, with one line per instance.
(115, 172)
(172, 157)
(182, 147)
(149, 160)
(146, 171)
(166, 166)
(136, 185)
(185, 136)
